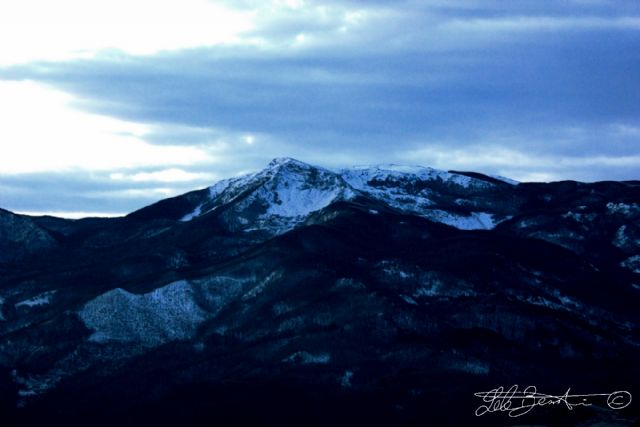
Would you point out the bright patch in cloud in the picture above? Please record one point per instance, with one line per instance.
(64, 29)
(144, 192)
(71, 29)
(166, 175)
(41, 132)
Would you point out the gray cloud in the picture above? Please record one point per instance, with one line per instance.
(86, 192)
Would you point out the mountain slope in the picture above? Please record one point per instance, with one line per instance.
(20, 236)
(300, 295)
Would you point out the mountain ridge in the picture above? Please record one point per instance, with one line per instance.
(339, 184)
(371, 300)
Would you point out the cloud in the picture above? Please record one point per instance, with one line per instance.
(165, 175)
(93, 191)
(136, 193)
(76, 29)
(523, 165)
(42, 131)
(205, 90)
(542, 23)
(67, 29)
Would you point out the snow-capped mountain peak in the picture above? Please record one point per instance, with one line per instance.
(287, 191)
(275, 199)
(287, 161)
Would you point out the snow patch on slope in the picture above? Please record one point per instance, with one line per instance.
(214, 191)
(473, 221)
(38, 300)
(625, 239)
(196, 213)
(294, 196)
(403, 187)
(305, 358)
(623, 208)
(632, 263)
(505, 179)
(166, 314)
(366, 177)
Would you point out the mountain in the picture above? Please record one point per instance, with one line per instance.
(299, 295)
(283, 195)
(21, 236)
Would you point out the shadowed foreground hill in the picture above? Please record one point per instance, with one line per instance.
(384, 295)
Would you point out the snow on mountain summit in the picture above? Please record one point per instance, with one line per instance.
(281, 161)
(276, 198)
(287, 191)
(298, 189)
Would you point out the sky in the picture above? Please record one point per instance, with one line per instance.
(108, 106)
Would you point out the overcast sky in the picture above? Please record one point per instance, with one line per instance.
(107, 106)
